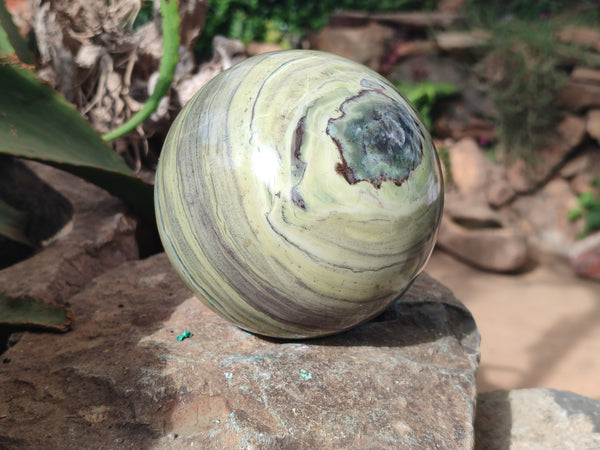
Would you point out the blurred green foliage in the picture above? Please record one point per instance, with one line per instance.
(424, 95)
(524, 85)
(488, 13)
(11, 42)
(279, 21)
(589, 209)
(145, 14)
(525, 66)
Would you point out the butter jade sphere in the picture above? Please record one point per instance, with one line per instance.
(298, 194)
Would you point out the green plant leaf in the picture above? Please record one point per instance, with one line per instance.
(592, 221)
(574, 214)
(11, 41)
(39, 124)
(586, 199)
(170, 25)
(5, 46)
(27, 312)
(424, 95)
(12, 224)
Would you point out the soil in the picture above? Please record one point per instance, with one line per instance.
(539, 329)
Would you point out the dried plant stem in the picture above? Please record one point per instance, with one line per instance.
(170, 25)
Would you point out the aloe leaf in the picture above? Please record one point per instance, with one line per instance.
(27, 312)
(39, 124)
(12, 224)
(11, 41)
(169, 11)
(5, 45)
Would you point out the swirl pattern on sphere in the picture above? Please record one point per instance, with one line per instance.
(298, 194)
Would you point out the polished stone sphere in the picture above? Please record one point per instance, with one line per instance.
(298, 194)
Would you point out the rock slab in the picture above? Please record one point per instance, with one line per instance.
(482, 237)
(585, 257)
(121, 377)
(99, 237)
(544, 419)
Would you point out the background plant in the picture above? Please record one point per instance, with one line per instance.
(488, 13)
(39, 124)
(525, 79)
(525, 66)
(424, 95)
(589, 209)
(282, 21)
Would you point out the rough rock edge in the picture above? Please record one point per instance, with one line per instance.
(100, 236)
(121, 376)
(536, 418)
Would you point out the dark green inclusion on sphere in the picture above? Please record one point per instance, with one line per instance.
(378, 139)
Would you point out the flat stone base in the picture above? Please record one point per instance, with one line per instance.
(536, 419)
(122, 379)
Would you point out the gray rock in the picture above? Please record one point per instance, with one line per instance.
(586, 167)
(499, 191)
(544, 419)
(23, 189)
(457, 121)
(406, 49)
(525, 178)
(100, 236)
(587, 37)
(482, 237)
(459, 41)
(585, 257)
(410, 20)
(545, 217)
(366, 44)
(469, 168)
(582, 91)
(593, 124)
(121, 378)
(437, 69)
(575, 165)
